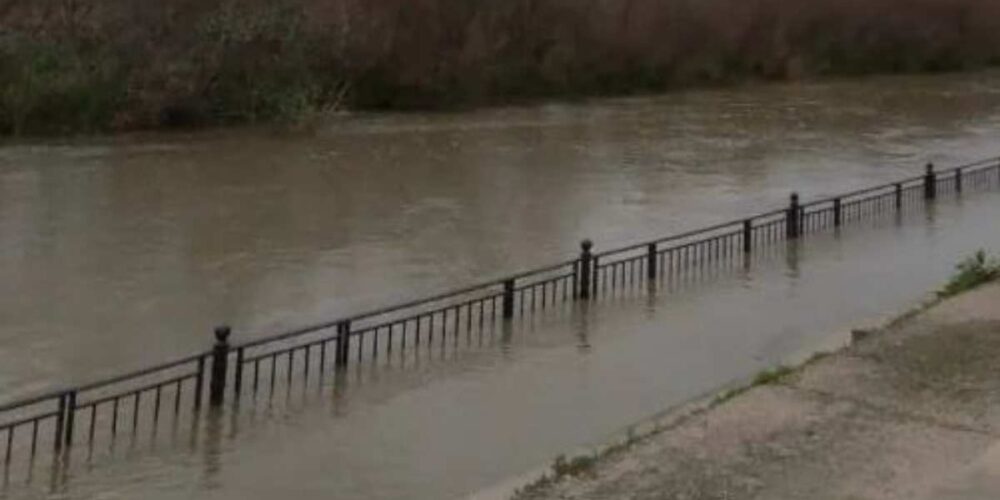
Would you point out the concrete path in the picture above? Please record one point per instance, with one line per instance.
(910, 412)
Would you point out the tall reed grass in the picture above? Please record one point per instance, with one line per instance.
(91, 65)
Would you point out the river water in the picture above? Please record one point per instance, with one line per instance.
(122, 251)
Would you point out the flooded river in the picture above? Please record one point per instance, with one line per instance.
(123, 251)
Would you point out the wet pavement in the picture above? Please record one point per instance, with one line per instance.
(911, 411)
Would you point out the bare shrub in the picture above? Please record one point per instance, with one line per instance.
(100, 64)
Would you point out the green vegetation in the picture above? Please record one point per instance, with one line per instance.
(576, 466)
(96, 65)
(772, 376)
(579, 465)
(765, 377)
(583, 464)
(971, 272)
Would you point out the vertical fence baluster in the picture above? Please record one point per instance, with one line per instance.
(10, 445)
(361, 344)
(198, 381)
(156, 406)
(114, 417)
(60, 418)
(135, 412)
(595, 282)
(508, 299)
(256, 376)
(305, 362)
(177, 404)
(93, 421)
(70, 416)
(274, 374)
(238, 376)
(34, 437)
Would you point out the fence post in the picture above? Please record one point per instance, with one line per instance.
(343, 344)
(70, 416)
(958, 180)
(651, 261)
(930, 183)
(220, 365)
(238, 376)
(586, 259)
(748, 236)
(899, 196)
(792, 220)
(508, 299)
(837, 218)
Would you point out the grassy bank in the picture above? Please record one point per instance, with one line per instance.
(95, 65)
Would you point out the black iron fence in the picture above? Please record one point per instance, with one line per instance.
(140, 401)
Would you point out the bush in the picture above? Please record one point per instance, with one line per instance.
(55, 88)
(122, 64)
(971, 272)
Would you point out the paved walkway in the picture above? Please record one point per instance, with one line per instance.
(910, 412)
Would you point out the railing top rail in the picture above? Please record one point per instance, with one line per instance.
(483, 286)
(859, 192)
(980, 163)
(141, 373)
(688, 234)
(31, 400)
(56, 393)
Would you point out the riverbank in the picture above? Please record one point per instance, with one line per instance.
(97, 66)
(909, 410)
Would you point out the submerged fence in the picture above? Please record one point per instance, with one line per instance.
(178, 390)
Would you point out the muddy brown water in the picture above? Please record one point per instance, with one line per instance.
(123, 251)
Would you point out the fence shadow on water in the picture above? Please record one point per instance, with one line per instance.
(210, 394)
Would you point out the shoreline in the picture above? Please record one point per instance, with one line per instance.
(312, 124)
(603, 468)
(317, 119)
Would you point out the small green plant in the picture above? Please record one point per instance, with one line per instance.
(971, 272)
(765, 377)
(575, 467)
(771, 376)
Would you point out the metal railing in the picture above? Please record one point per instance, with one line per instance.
(176, 390)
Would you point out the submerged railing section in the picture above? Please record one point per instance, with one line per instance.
(176, 392)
